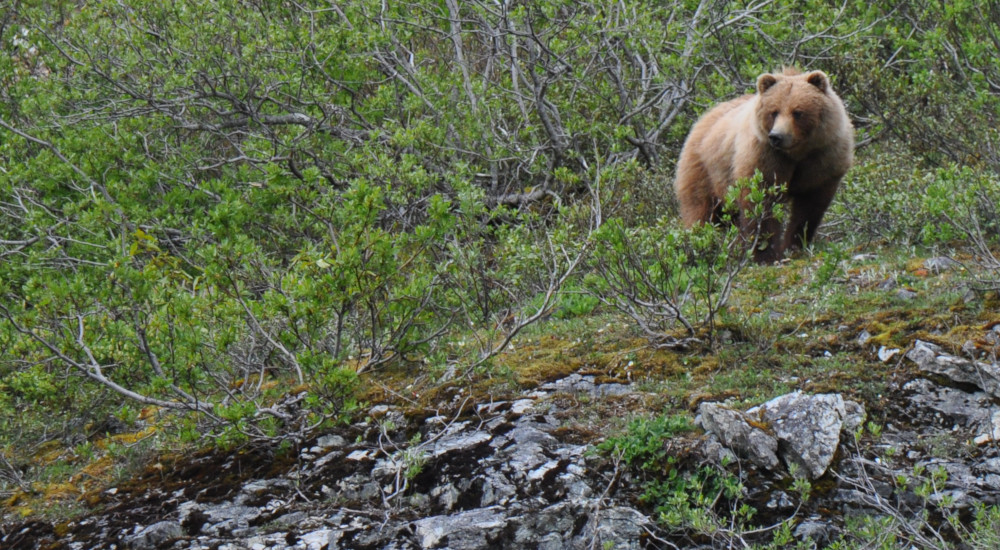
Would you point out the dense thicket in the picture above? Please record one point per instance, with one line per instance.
(233, 207)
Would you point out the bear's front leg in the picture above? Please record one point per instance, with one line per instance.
(806, 215)
(764, 234)
(760, 229)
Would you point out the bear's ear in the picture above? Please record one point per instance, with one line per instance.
(765, 81)
(818, 79)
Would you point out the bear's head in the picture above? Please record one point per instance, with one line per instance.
(791, 108)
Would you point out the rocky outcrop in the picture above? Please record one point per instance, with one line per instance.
(505, 475)
(738, 433)
(978, 409)
(499, 480)
(933, 360)
(803, 430)
(155, 535)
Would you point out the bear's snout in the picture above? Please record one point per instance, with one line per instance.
(778, 140)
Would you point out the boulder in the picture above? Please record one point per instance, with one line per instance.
(801, 429)
(736, 432)
(155, 535)
(471, 529)
(807, 428)
(931, 359)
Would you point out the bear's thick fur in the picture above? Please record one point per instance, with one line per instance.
(795, 130)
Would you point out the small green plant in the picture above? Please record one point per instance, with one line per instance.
(875, 429)
(800, 483)
(575, 302)
(414, 458)
(643, 444)
(985, 532)
(682, 500)
(831, 267)
(690, 500)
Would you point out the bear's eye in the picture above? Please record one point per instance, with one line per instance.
(798, 115)
(774, 115)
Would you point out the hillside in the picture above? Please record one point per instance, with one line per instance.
(367, 275)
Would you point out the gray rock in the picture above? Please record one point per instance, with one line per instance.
(459, 441)
(780, 501)
(955, 406)
(447, 495)
(330, 442)
(316, 540)
(888, 284)
(886, 353)
(292, 518)
(736, 432)
(356, 487)
(854, 416)
(327, 458)
(497, 490)
(932, 359)
(989, 466)
(541, 472)
(236, 513)
(619, 527)
(522, 406)
(807, 428)
(362, 536)
(604, 390)
(576, 383)
(156, 534)
(816, 530)
(989, 431)
(524, 448)
(263, 485)
(550, 524)
(715, 451)
(864, 337)
(906, 294)
(574, 483)
(471, 529)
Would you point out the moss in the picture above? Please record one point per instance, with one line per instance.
(543, 360)
(58, 491)
(15, 499)
(99, 469)
(132, 437)
(50, 452)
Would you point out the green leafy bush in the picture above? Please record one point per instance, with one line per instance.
(685, 500)
(643, 445)
(665, 276)
(948, 206)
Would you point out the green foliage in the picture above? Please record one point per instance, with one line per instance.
(665, 276)
(945, 206)
(986, 528)
(684, 500)
(688, 500)
(751, 198)
(643, 445)
(833, 257)
(239, 214)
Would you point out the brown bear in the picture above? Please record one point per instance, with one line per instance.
(795, 131)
